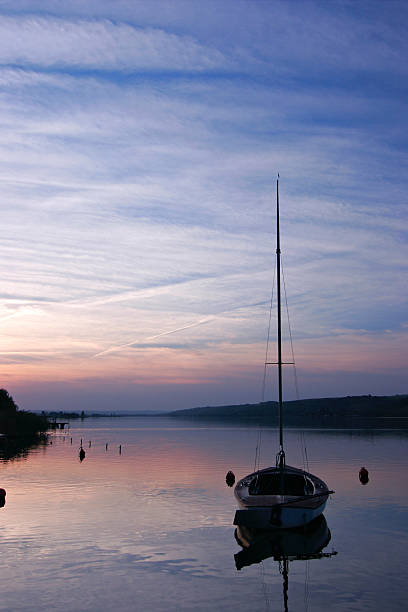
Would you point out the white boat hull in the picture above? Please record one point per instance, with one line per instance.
(269, 518)
(264, 510)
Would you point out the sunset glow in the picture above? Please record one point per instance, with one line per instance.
(139, 148)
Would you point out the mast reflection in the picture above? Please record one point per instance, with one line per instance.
(283, 546)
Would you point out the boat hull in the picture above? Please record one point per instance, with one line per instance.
(268, 509)
(277, 518)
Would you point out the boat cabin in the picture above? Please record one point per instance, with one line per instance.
(271, 484)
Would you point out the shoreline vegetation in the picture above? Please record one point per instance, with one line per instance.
(16, 422)
(54, 415)
(20, 431)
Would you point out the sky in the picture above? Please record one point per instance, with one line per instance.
(139, 148)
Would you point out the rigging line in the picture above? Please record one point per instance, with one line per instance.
(307, 460)
(301, 450)
(290, 334)
(268, 336)
(257, 460)
(257, 451)
(304, 450)
(302, 435)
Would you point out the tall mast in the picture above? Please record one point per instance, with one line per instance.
(278, 274)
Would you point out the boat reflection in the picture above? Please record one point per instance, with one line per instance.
(283, 546)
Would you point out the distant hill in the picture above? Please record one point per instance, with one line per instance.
(329, 410)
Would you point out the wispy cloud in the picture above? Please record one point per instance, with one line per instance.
(100, 45)
(138, 153)
(21, 312)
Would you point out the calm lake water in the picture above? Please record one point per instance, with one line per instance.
(151, 528)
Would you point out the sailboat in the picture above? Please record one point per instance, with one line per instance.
(280, 496)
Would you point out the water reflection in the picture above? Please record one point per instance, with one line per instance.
(153, 525)
(19, 447)
(284, 546)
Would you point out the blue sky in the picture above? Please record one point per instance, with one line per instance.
(139, 147)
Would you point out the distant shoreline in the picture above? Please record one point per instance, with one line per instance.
(320, 412)
(347, 411)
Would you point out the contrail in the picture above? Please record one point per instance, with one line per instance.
(135, 293)
(11, 316)
(21, 312)
(114, 349)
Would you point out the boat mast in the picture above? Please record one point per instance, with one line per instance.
(281, 453)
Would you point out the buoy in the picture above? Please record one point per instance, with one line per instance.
(2, 498)
(363, 475)
(81, 454)
(230, 478)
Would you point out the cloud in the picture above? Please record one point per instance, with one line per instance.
(138, 153)
(100, 45)
(16, 358)
(270, 38)
(20, 311)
